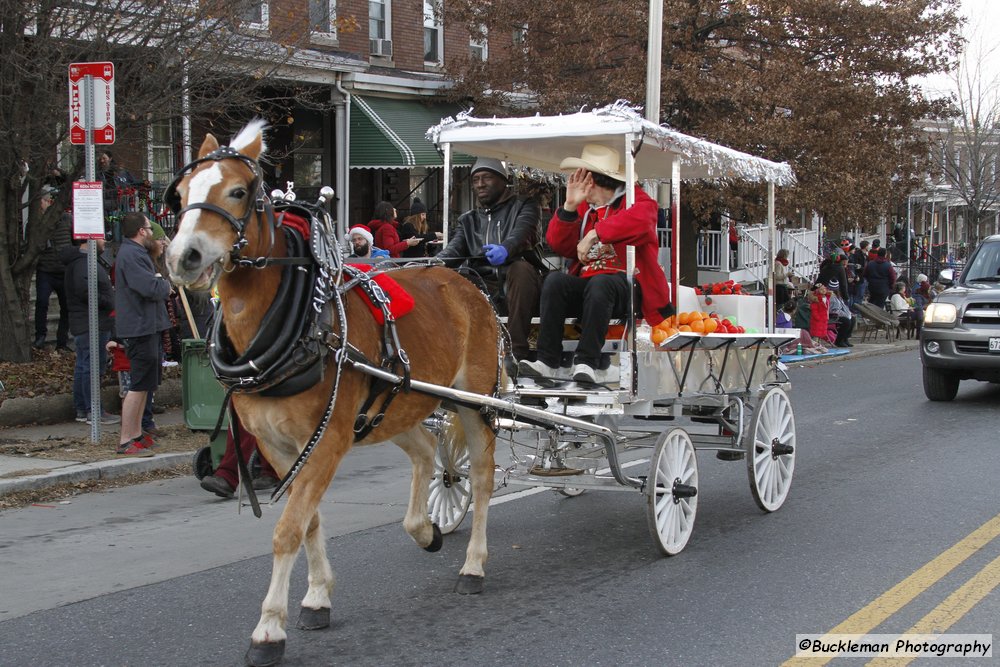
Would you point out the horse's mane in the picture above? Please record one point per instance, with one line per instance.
(249, 133)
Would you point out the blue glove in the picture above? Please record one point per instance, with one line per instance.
(495, 254)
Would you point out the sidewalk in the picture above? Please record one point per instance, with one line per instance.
(68, 471)
(65, 472)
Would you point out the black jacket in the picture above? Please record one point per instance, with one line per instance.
(834, 270)
(61, 237)
(75, 280)
(514, 223)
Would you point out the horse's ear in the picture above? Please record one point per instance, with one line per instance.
(254, 148)
(210, 144)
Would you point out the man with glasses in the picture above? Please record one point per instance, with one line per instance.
(140, 317)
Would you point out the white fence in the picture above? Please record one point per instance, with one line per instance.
(752, 256)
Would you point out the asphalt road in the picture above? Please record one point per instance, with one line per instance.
(160, 574)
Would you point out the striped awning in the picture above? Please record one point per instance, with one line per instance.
(390, 133)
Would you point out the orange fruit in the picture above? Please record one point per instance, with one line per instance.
(698, 326)
(685, 329)
(703, 315)
(670, 331)
(684, 318)
(711, 324)
(658, 336)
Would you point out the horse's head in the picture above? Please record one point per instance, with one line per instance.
(214, 198)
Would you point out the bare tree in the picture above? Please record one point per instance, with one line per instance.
(215, 53)
(966, 155)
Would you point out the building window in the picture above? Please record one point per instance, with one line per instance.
(378, 19)
(323, 16)
(160, 165)
(307, 156)
(521, 36)
(256, 15)
(478, 46)
(380, 27)
(433, 34)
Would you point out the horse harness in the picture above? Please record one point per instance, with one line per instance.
(287, 355)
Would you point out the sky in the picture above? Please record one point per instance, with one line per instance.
(983, 19)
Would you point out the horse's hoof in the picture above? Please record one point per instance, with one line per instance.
(265, 654)
(436, 541)
(469, 584)
(314, 619)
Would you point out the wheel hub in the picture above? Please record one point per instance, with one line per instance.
(680, 490)
(780, 449)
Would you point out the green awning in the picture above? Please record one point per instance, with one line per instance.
(389, 134)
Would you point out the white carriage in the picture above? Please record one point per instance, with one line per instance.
(721, 392)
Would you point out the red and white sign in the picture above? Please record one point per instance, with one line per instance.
(88, 210)
(103, 75)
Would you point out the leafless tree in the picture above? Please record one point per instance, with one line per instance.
(966, 156)
(212, 52)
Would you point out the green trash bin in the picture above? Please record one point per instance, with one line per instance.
(202, 397)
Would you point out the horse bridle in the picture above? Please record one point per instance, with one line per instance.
(260, 204)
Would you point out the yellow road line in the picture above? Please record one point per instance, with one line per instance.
(954, 607)
(881, 608)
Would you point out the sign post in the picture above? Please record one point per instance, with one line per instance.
(91, 121)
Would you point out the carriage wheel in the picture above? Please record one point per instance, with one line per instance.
(770, 446)
(451, 489)
(202, 463)
(672, 491)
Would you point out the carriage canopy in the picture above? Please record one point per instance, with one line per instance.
(541, 142)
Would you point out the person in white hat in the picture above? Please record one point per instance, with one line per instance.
(500, 241)
(592, 228)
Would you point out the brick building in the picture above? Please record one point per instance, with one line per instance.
(384, 74)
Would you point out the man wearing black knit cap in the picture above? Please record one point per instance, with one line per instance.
(499, 240)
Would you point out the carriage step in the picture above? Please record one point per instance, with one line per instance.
(729, 455)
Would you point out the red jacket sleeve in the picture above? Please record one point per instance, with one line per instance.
(388, 239)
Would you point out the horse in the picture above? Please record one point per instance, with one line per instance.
(450, 337)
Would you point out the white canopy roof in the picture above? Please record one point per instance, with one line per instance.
(543, 141)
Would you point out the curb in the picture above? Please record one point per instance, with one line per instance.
(889, 348)
(93, 471)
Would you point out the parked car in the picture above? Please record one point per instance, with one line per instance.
(960, 339)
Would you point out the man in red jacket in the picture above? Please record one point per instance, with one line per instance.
(593, 228)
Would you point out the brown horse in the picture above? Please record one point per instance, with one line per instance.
(451, 337)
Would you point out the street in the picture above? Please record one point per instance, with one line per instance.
(885, 481)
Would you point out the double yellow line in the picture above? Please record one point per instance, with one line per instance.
(941, 617)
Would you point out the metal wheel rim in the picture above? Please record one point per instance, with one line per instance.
(770, 476)
(450, 488)
(670, 519)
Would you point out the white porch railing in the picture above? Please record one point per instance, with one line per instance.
(752, 257)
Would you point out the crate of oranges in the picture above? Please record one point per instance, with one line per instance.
(694, 321)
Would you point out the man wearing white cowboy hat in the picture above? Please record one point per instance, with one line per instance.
(593, 228)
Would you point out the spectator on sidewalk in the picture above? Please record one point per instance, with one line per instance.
(225, 479)
(819, 313)
(140, 318)
(49, 275)
(881, 277)
(415, 225)
(783, 287)
(859, 258)
(77, 298)
(841, 314)
(385, 229)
